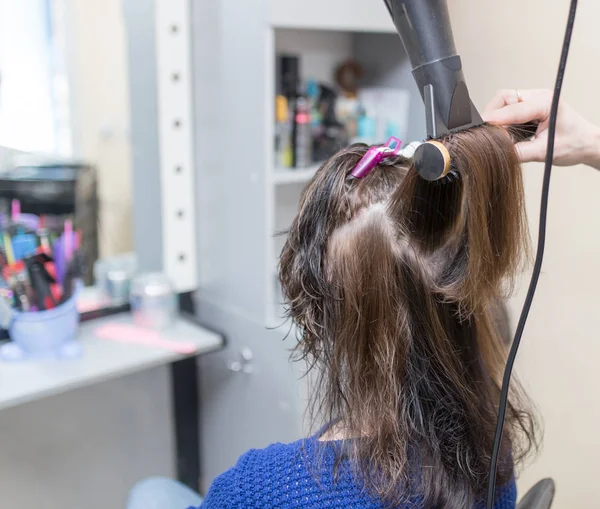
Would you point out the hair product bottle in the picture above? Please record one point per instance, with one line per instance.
(302, 133)
(283, 148)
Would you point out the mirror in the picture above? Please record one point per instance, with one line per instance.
(64, 101)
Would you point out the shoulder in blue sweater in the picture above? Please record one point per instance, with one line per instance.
(300, 476)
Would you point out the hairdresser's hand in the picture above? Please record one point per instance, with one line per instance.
(577, 141)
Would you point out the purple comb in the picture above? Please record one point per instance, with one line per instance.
(374, 156)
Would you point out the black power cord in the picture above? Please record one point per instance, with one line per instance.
(538, 257)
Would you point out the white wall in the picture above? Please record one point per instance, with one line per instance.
(98, 65)
(516, 44)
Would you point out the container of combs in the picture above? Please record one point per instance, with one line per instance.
(44, 334)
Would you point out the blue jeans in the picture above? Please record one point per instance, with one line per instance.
(162, 493)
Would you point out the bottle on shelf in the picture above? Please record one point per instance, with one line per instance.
(313, 93)
(366, 128)
(302, 134)
(333, 134)
(299, 108)
(283, 148)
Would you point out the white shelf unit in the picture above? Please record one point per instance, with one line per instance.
(243, 198)
(339, 15)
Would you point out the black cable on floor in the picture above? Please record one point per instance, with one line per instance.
(538, 257)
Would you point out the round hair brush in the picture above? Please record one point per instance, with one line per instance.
(432, 160)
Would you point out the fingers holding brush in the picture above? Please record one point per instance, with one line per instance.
(518, 107)
(505, 97)
(533, 150)
(577, 141)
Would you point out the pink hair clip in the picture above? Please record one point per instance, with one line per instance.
(374, 156)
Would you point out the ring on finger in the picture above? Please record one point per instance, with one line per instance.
(519, 98)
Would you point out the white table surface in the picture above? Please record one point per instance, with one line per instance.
(26, 381)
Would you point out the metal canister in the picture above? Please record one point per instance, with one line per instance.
(117, 283)
(113, 277)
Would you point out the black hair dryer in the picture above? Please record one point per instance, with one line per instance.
(425, 30)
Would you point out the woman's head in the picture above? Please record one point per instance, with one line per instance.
(392, 281)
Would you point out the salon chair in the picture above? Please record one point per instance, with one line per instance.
(539, 497)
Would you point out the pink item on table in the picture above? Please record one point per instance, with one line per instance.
(131, 334)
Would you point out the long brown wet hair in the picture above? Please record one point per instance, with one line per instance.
(392, 282)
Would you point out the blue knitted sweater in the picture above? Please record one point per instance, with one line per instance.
(279, 477)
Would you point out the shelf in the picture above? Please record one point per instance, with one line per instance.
(358, 16)
(26, 381)
(283, 176)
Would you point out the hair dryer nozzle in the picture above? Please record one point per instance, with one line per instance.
(425, 30)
